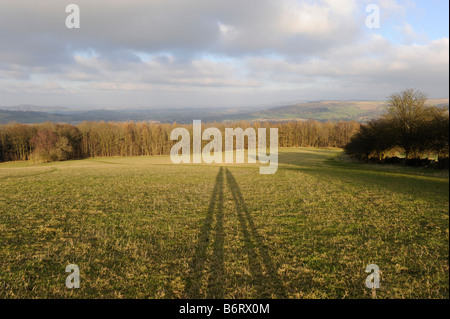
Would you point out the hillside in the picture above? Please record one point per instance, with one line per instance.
(324, 110)
(361, 111)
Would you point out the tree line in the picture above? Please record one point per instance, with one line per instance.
(410, 132)
(49, 142)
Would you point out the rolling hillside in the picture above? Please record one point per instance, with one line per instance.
(361, 111)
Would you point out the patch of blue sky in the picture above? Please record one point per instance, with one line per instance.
(422, 20)
(433, 18)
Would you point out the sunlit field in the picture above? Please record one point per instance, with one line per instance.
(146, 228)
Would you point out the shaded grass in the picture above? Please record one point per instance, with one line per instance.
(144, 228)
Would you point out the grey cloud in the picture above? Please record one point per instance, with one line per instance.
(206, 52)
(181, 27)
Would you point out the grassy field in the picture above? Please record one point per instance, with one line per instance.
(145, 228)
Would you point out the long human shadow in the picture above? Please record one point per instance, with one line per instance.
(217, 275)
(264, 274)
(199, 261)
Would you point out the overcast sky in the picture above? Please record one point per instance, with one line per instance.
(227, 53)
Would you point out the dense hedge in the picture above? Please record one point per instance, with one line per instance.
(410, 127)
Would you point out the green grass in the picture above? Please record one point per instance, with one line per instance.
(145, 228)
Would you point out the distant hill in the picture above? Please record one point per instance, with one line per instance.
(186, 115)
(7, 116)
(324, 111)
(36, 108)
(361, 111)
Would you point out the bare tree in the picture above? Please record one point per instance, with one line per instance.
(407, 110)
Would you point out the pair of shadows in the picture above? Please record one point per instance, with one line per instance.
(264, 276)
